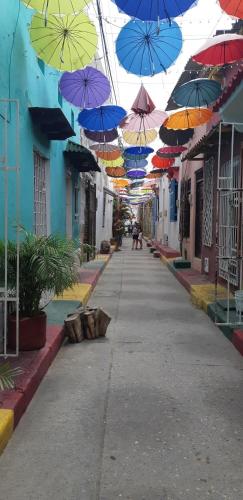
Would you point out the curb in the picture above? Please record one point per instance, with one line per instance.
(202, 294)
(35, 364)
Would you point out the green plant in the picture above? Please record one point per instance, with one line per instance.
(7, 376)
(46, 263)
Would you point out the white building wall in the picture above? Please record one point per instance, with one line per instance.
(167, 231)
(104, 213)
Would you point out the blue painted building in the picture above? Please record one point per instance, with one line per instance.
(46, 123)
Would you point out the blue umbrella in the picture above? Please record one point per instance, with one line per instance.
(148, 48)
(136, 173)
(102, 118)
(135, 163)
(151, 10)
(200, 92)
(138, 150)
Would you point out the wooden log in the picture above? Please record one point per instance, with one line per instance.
(73, 328)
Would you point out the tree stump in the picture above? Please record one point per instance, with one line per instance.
(73, 328)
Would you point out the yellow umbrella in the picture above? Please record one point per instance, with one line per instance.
(139, 138)
(66, 43)
(121, 182)
(188, 118)
(119, 162)
(57, 7)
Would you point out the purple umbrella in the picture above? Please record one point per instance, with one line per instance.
(105, 136)
(85, 88)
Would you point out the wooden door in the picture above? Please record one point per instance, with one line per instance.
(199, 213)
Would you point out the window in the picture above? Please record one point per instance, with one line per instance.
(76, 204)
(41, 172)
(185, 208)
(173, 200)
(208, 203)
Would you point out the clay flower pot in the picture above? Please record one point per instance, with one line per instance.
(32, 332)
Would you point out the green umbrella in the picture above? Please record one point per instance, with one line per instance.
(57, 7)
(66, 43)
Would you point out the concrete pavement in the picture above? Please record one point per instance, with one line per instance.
(152, 412)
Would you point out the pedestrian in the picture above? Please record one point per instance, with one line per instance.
(135, 237)
(140, 238)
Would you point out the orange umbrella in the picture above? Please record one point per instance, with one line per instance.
(109, 155)
(115, 171)
(154, 174)
(120, 182)
(162, 162)
(188, 118)
(232, 7)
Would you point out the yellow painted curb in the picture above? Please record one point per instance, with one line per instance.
(81, 291)
(6, 427)
(102, 257)
(203, 295)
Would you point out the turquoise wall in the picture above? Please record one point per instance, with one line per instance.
(22, 78)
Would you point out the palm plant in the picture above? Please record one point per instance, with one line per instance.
(7, 376)
(45, 263)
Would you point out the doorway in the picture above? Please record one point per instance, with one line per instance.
(199, 214)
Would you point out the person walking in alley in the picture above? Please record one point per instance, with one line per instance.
(135, 237)
(140, 238)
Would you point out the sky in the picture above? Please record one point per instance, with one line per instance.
(198, 24)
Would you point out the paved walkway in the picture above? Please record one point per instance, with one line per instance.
(153, 412)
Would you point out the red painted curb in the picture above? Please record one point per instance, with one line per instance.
(237, 340)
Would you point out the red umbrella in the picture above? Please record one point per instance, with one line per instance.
(232, 7)
(143, 102)
(220, 50)
(162, 162)
(170, 152)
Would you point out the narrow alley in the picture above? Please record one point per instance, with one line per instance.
(152, 412)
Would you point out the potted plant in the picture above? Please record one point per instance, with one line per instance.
(46, 263)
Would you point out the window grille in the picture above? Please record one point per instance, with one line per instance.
(40, 194)
(208, 203)
(229, 220)
(173, 200)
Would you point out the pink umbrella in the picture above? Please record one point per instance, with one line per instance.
(143, 103)
(220, 50)
(140, 122)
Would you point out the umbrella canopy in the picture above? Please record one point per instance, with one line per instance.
(115, 171)
(170, 152)
(104, 147)
(66, 43)
(148, 48)
(136, 163)
(121, 182)
(141, 123)
(155, 174)
(197, 93)
(143, 102)
(113, 163)
(137, 150)
(162, 162)
(102, 118)
(149, 10)
(105, 136)
(188, 118)
(136, 173)
(220, 50)
(139, 138)
(85, 88)
(109, 155)
(175, 137)
(57, 7)
(232, 7)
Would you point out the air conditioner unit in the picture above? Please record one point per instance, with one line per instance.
(165, 240)
(206, 265)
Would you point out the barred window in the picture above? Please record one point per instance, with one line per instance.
(40, 194)
(185, 209)
(208, 203)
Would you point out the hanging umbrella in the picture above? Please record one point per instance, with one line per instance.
(136, 151)
(148, 48)
(197, 93)
(155, 174)
(65, 43)
(109, 155)
(113, 163)
(220, 50)
(135, 184)
(102, 118)
(57, 7)
(162, 162)
(141, 123)
(188, 118)
(121, 182)
(143, 102)
(135, 163)
(136, 173)
(175, 137)
(115, 171)
(151, 10)
(104, 147)
(105, 136)
(85, 88)
(232, 7)
(170, 152)
(139, 138)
